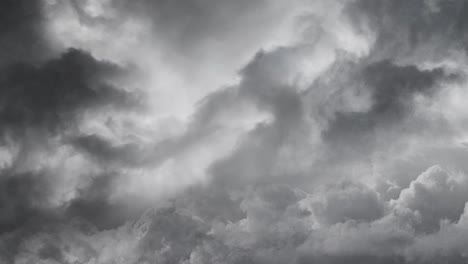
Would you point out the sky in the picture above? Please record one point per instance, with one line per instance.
(233, 131)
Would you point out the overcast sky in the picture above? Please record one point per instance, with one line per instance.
(233, 131)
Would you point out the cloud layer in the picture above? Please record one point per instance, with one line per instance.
(198, 132)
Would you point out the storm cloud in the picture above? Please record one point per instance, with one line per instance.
(203, 131)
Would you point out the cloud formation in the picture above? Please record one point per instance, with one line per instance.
(197, 132)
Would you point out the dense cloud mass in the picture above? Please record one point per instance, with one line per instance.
(218, 131)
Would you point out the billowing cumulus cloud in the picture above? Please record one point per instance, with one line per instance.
(203, 131)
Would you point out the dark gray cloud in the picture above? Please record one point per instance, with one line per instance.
(393, 90)
(23, 199)
(53, 94)
(22, 32)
